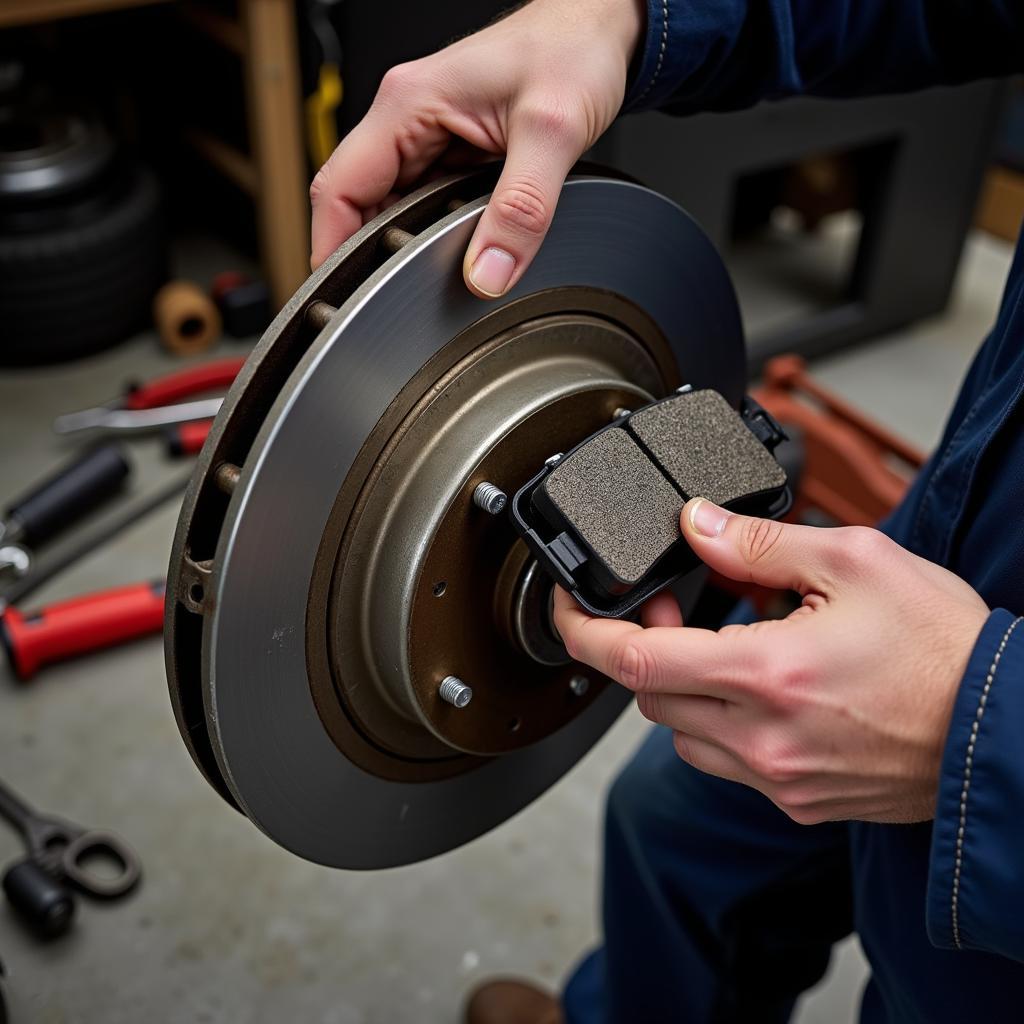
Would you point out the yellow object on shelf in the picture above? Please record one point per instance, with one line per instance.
(322, 114)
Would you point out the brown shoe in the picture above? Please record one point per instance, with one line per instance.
(508, 1001)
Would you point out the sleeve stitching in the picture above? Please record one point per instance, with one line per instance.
(968, 766)
(661, 51)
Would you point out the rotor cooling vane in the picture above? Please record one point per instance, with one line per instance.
(360, 651)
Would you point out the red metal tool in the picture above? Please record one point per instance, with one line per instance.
(82, 624)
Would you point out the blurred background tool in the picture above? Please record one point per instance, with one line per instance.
(134, 421)
(80, 625)
(186, 318)
(62, 498)
(156, 403)
(87, 622)
(59, 852)
(71, 551)
(55, 504)
(186, 438)
(42, 902)
(244, 303)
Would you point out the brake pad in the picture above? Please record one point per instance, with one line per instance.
(603, 520)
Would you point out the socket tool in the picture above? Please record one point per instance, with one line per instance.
(59, 853)
(603, 519)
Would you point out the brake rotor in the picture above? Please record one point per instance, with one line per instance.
(331, 568)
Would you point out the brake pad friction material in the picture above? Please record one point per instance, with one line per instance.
(603, 520)
(613, 495)
(706, 449)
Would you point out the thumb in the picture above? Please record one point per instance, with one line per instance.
(778, 555)
(519, 212)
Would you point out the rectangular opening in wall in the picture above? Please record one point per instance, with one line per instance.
(795, 238)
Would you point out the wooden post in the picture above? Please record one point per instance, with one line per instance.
(273, 99)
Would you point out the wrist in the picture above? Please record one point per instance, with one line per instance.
(630, 17)
(624, 21)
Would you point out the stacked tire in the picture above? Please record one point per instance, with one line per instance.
(82, 248)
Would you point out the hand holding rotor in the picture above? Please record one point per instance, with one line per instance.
(839, 711)
(540, 86)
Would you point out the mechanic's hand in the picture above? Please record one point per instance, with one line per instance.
(839, 711)
(541, 85)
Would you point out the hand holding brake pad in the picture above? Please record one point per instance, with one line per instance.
(604, 519)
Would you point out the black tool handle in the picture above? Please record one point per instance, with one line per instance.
(67, 495)
(71, 550)
(44, 904)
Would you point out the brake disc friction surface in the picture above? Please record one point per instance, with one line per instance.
(343, 521)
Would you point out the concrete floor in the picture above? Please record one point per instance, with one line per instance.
(226, 926)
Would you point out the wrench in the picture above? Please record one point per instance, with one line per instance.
(62, 848)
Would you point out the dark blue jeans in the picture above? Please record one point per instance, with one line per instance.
(716, 906)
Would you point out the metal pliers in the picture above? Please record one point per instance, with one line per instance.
(157, 403)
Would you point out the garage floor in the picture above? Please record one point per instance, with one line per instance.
(226, 926)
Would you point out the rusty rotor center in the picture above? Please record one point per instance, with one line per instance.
(427, 585)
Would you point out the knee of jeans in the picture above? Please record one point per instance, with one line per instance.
(657, 787)
(640, 790)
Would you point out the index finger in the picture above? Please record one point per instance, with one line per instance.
(670, 659)
(360, 173)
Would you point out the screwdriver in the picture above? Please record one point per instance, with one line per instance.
(80, 625)
(152, 404)
(88, 622)
(76, 488)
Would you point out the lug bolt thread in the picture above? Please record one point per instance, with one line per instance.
(490, 498)
(455, 692)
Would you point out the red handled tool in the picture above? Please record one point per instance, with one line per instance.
(186, 438)
(79, 625)
(213, 376)
(156, 403)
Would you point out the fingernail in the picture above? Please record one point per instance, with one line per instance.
(492, 271)
(708, 519)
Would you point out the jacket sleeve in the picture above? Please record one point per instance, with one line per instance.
(975, 896)
(725, 54)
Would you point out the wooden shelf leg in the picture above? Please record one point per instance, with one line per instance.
(273, 97)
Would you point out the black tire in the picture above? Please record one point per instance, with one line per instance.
(75, 288)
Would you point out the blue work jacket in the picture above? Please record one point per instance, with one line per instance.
(950, 931)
